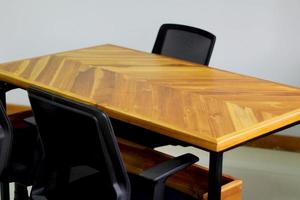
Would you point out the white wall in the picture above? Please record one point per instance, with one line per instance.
(254, 37)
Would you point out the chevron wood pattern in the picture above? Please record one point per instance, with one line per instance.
(206, 107)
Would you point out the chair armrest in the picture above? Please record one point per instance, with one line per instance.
(151, 182)
(162, 171)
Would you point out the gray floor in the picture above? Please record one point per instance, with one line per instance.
(266, 174)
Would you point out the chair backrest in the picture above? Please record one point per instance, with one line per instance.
(184, 42)
(73, 135)
(20, 153)
(5, 140)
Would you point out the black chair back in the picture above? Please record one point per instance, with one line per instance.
(5, 141)
(20, 154)
(76, 135)
(184, 42)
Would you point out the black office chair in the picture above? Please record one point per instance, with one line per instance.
(20, 153)
(75, 135)
(184, 42)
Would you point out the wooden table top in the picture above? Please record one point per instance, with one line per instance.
(203, 106)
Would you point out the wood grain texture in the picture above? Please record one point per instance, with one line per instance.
(15, 108)
(192, 180)
(230, 191)
(206, 107)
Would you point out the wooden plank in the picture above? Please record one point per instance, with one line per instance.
(230, 191)
(206, 107)
(15, 108)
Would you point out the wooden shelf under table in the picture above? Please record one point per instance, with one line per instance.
(192, 180)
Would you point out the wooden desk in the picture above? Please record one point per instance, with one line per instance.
(205, 107)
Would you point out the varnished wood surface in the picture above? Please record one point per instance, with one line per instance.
(274, 142)
(206, 107)
(15, 108)
(191, 181)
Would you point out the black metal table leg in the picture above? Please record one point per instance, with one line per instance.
(215, 175)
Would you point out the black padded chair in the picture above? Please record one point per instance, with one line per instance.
(184, 42)
(20, 154)
(76, 136)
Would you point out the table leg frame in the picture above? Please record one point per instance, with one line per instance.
(215, 175)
